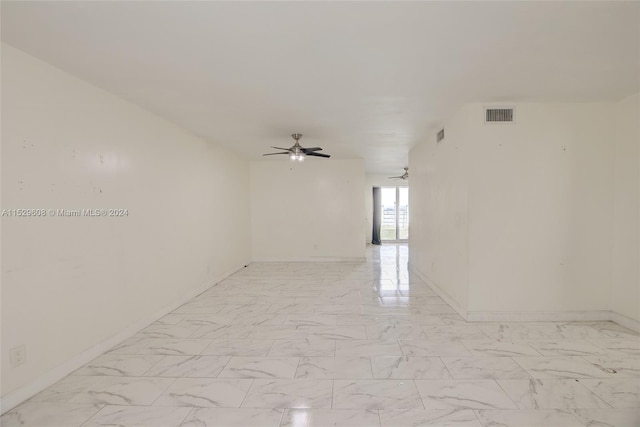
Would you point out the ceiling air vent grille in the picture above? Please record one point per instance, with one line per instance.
(493, 115)
(440, 135)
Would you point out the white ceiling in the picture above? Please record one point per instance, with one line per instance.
(361, 79)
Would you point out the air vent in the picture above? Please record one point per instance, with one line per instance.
(493, 115)
(440, 135)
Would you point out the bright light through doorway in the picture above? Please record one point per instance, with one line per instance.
(395, 214)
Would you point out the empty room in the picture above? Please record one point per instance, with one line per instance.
(270, 214)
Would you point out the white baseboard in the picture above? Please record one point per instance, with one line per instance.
(554, 316)
(441, 292)
(530, 316)
(16, 397)
(538, 316)
(625, 321)
(314, 259)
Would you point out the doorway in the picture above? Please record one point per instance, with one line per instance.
(394, 226)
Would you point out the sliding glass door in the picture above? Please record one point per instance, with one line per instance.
(388, 229)
(403, 213)
(395, 214)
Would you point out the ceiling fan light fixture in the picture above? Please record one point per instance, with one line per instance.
(297, 154)
(296, 157)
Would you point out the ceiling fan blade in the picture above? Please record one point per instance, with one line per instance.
(280, 148)
(395, 177)
(318, 155)
(309, 150)
(273, 154)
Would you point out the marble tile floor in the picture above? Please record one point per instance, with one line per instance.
(346, 344)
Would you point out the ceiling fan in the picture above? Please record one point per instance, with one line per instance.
(297, 152)
(404, 176)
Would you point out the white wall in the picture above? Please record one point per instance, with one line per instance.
(626, 220)
(68, 283)
(541, 205)
(373, 180)
(516, 218)
(439, 211)
(308, 211)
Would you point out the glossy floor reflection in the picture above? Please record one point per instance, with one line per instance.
(336, 344)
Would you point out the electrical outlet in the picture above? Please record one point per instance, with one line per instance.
(18, 356)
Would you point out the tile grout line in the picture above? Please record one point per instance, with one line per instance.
(225, 366)
(187, 416)
(333, 390)
(153, 366)
(573, 411)
(295, 372)
(593, 392)
(253, 381)
(446, 368)
(475, 414)
(175, 380)
(415, 385)
(507, 394)
(282, 416)
(93, 416)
